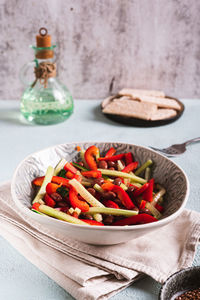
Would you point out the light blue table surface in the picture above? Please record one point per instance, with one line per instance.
(19, 279)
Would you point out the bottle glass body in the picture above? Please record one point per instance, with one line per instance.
(45, 104)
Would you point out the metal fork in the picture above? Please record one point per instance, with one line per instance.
(177, 148)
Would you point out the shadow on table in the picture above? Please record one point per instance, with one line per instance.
(12, 116)
(99, 116)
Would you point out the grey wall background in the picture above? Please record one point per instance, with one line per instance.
(134, 43)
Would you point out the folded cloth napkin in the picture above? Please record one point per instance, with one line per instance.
(99, 272)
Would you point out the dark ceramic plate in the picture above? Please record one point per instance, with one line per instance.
(140, 122)
(180, 282)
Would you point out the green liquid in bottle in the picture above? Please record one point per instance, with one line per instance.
(46, 105)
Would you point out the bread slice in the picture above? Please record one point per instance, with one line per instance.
(160, 102)
(137, 92)
(163, 113)
(131, 108)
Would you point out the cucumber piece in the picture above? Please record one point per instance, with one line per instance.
(123, 186)
(84, 193)
(111, 211)
(42, 190)
(98, 217)
(98, 188)
(147, 174)
(153, 210)
(143, 167)
(120, 165)
(123, 175)
(59, 166)
(82, 154)
(47, 210)
(158, 195)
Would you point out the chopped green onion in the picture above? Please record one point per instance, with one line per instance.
(79, 167)
(122, 174)
(111, 211)
(62, 173)
(42, 190)
(36, 211)
(143, 167)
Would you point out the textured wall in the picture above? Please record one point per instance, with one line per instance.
(132, 43)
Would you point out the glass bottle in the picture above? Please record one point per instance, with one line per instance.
(45, 100)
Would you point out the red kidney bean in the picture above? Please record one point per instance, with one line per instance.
(80, 163)
(108, 220)
(131, 189)
(103, 164)
(111, 168)
(92, 191)
(117, 181)
(117, 201)
(111, 164)
(109, 195)
(65, 209)
(61, 204)
(99, 181)
(56, 197)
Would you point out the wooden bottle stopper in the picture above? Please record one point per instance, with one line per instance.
(43, 40)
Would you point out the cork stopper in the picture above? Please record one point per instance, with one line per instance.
(43, 40)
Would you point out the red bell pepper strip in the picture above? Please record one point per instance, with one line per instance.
(112, 158)
(90, 154)
(123, 196)
(148, 194)
(55, 179)
(69, 174)
(36, 206)
(159, 207)
(75, 214)
(130, 167)
(52, 188)
(92, 222)
(78, 178)
(75, 202)
(107, 186)
(137, 219)
(92, 174)
(60, 180)
(128, 158)
(38, 181)
(142, 204)
(139, 191)
(49, 201)
(110, 203)
(135, 186)
(69, 167)
(110, 152)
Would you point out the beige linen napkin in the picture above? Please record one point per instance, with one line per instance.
(98, 272)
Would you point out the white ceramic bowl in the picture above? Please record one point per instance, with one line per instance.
(165, 172)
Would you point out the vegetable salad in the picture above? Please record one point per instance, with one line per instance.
(99, 190)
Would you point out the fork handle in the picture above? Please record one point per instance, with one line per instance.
(192, 141)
